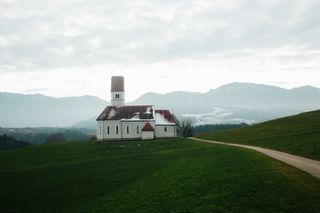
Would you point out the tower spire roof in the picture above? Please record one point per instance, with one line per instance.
(117, 84)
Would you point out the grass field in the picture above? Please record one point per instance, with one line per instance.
(299, 134)
(153, 176)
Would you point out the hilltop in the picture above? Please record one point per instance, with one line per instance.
(298, 134)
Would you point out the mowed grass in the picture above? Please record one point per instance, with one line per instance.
(299, 135)
(153, 176)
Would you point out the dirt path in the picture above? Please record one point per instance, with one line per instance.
(310, 166)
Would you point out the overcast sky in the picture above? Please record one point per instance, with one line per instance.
(72, 48)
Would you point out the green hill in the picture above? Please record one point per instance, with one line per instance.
(153, 176)
(298, 134)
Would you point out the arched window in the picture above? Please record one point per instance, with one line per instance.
(165, 129)
(128, 129)
(108, 130)
(138, 129)
(117, 96)
(117, 130)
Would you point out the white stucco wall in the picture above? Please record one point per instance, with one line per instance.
(112, 135)
(161, 133)
(102, 129)
(99, 130)
(117, 101)
(147, 135)
(133, 133)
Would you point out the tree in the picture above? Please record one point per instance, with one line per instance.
(55, 137)
(186, 128)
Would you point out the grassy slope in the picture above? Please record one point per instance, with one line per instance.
(157, 176)
(299, 134)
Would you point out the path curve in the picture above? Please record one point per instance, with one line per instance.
(305, 164)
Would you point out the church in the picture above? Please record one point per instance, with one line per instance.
(133, 122)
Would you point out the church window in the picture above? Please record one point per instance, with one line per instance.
(117, 96)
(138, 129)
(165, 129)
(117, 130)
(127, 129)
(108, 130)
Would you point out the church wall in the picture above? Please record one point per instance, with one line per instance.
(117, 98)
(133, 133)
(100, 131)
(112, 134)
(169, 133)
(104, 135)
(147, 135)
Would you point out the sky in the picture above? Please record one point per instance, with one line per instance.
(72, 48)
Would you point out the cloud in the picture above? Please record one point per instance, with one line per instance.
(73, 47)
(46, 34)
(36, 90)
(217, 116)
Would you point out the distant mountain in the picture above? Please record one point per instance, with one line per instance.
(232, 103)
(90, 123)
(237, 102)
(17, 110)
(240, 95)
(253, 96)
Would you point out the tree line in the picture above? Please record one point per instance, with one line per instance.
(7, 142)
(187, 129)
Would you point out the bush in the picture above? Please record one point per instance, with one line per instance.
(93, 138)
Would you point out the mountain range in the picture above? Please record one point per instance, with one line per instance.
(17, 110)
(231, 103)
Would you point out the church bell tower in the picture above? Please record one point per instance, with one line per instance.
(117, 91)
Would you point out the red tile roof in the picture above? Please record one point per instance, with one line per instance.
(167, 115)
(140, 112)
(127, 112)
(147, 127)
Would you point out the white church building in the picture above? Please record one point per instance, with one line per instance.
(133, 122)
